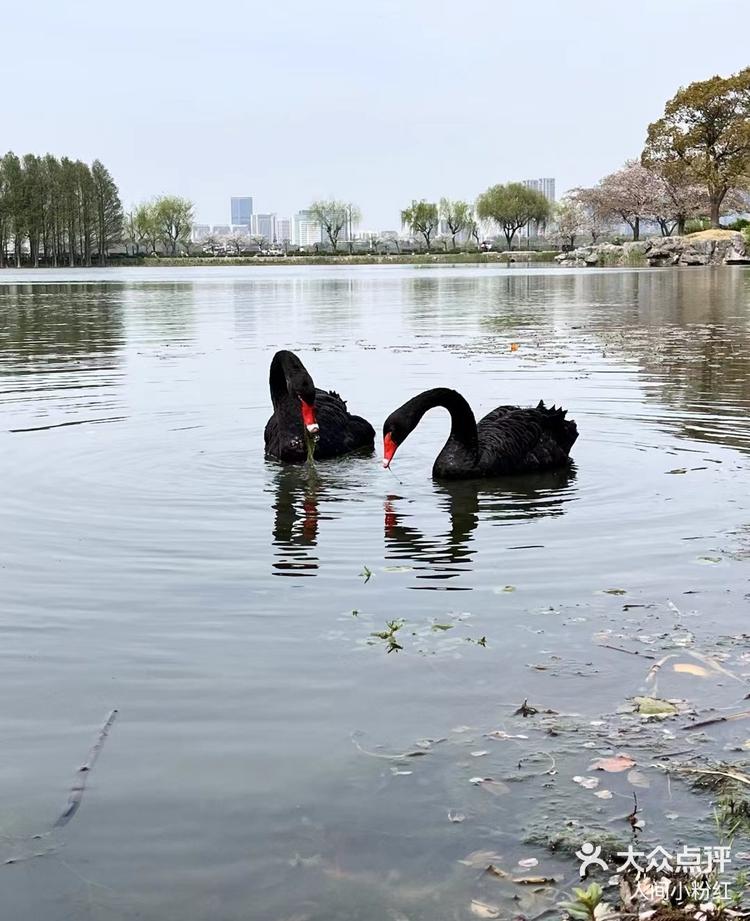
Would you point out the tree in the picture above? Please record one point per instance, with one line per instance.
(52, 226)
(333, 216)
(86, 209)
(211, 244)
(571, 219)
(457, 216)
(132, 232)
(108, 209)
(706, 130)
(237, 242)
(174, 219)
(259, 240)
(511, 207)
(475, 232)
(679, 201)
(13, 200)
(598, 218)
(147, 226)
(421, 217)
(631, 194)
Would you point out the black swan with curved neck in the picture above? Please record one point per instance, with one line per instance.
(298, 405)
(509, 440)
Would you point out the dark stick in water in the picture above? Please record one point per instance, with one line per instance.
(397, 479)
(79, 784)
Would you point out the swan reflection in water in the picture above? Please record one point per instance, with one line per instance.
(296, 521)
(299, 493)
(447, 555)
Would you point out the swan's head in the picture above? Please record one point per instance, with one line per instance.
(394, 434)
(303, 388)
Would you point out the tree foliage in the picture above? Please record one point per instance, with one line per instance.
(705, 135)
(511, 207)
(421, 217)
(571, 220)
(174, 218)
(333, 216)
(457, 216)
(57, 212)
(161, 225)
(631, 194)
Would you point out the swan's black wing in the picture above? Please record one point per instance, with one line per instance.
(519, 440)
(340, 431)
(275, 445)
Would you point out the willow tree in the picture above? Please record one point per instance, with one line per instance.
(512, 207)
(457, 216)
(333, 216)
(174, 219)
(421, 217)
(705, 132)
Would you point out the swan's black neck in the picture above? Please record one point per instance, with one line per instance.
(288, 378)
(463, 423)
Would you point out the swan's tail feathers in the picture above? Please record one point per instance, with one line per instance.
(563, 430)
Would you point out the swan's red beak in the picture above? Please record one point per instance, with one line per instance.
(308, 418)
(389, 449)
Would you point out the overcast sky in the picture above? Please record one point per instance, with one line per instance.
(375, 102)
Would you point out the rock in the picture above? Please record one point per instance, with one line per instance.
(724, 248)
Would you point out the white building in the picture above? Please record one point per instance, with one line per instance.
(221, 230)
(264, 225)
(546, 186)
(305, 229)
(283, 230)
(200, 232)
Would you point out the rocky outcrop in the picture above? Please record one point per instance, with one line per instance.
(721, 248)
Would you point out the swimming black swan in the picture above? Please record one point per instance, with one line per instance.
(298, 405)
(508, 440)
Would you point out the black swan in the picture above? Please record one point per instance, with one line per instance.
(298, 405)
(509, 440)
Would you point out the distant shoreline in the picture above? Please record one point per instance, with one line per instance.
(522, 256)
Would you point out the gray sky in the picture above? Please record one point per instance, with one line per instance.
(375, 102)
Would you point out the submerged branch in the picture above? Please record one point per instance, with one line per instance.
(79, 784)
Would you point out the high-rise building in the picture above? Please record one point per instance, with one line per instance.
(283, 230)
(546, 186)
(305, 229)
(221, 230)
(264, 225)
(242, 211)
(200, 232)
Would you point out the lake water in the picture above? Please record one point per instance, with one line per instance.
(264, 759)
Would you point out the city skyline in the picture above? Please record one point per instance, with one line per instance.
(496, 98)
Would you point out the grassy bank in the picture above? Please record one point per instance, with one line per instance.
(521, 257)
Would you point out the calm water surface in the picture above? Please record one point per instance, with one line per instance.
(153, 561)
